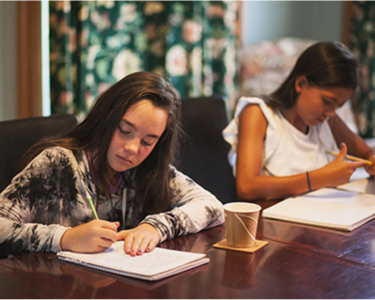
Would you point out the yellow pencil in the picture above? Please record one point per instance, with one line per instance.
(367, 162)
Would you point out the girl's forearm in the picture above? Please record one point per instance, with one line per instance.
(274, 187)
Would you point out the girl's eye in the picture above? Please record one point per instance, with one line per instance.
(146, 144)
(123, 131)
(327, 102)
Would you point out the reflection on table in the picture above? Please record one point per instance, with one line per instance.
(298, 262)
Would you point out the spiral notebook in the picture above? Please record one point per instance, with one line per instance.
(156, 265)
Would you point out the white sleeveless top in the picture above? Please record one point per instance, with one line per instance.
(286, 150)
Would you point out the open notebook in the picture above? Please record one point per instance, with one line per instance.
(155, 265)
(327, 207)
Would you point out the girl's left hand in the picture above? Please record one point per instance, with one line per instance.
(143, 238)
(370, 169)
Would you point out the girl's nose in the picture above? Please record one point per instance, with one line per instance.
(330, 113)
(132, 146)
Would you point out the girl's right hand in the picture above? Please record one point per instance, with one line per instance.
(94, 236)
(338, 171)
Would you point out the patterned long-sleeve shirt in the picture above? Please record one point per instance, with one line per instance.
(51, 195)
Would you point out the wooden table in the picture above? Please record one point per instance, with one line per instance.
(299, 262)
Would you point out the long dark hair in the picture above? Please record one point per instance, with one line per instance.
(325, 65)
(151, 178)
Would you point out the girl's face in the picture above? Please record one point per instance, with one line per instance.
(136, 136)
(315, 104)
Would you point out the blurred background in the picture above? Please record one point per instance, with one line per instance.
(57, 56)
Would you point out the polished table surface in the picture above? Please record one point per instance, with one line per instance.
(298, 262)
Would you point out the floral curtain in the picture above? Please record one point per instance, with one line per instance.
(362, 42)
(93, 44)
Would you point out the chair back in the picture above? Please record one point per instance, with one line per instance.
(17, 136)
(204, 152)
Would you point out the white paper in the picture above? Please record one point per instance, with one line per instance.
(146, 265)
(326, 207)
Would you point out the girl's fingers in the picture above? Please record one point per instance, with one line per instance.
(144, 246)
(110, 236)
(152, 245)
(137, 247)
(139, 240)
(110, 225)
(128, 243)
(342, 152)
(104, 243)
(121, 235)
(105, 233)
(357, 165)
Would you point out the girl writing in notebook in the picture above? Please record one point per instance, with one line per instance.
(279, 141)
(121, 158)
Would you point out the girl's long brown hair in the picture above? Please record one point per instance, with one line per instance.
(151, 178)
(325, 65)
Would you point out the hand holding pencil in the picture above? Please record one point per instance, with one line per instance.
(93, 236)
(340, 170)
(350, 157)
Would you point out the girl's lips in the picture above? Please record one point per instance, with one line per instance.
(123, 159)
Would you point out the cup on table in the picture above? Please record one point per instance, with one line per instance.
(241, 222)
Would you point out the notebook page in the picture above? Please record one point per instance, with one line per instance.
(158, 261)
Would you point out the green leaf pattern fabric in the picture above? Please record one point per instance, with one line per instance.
(93, 44)
(362, 42)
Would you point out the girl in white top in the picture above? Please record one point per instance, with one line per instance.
(286, 134)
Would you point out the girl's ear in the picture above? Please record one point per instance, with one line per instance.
(300, 83)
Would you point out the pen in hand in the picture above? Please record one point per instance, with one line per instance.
(93, 208)
(367, 162)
